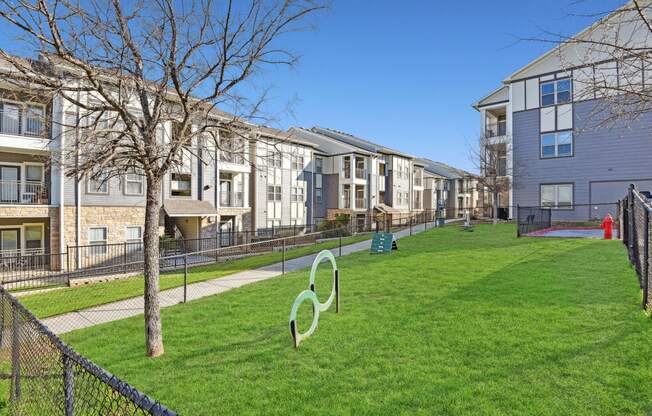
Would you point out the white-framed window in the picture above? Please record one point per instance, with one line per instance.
(318, 195)
(273, 193)
(134, 234)
(557, 144)
(34, 172)
(558, 196)
(297, 194)
(180, 184)
(134, 184)
(276, 160)
(98, 183)
(33, 119)
(97, 238)
(319, 165)
(297, 162)
(273, 223)
(555, 92)
(134, 237)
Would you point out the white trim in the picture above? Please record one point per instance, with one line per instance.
(126, 182)
(140, 227)
(24, 234)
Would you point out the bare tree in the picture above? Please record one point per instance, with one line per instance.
(489, 156)
(610, 61)
(141, 83)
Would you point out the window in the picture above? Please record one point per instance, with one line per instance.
(33, 237)
(134, 234)
(134, 238)
(134, 184)
(34, 173)
(318, 196)
(557, 144)
(33, 120)
(319, 165)
(297, 194)
(276, 160)
(180, 185)
(297, 162)
(273, 193)
(557, 196)
(97, 183)
(555, 92)
(97, 238)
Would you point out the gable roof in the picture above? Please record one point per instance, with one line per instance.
(358, 142)
(499, 95)
(527, 70)
(325, 144)
(442, 169)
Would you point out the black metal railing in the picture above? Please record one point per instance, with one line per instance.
(47, 377)
(636, 232)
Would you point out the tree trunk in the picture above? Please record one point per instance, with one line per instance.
(153, 329)
(495, 204)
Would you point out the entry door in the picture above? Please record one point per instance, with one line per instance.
(9, 242)
(9, 177)
(226, 236)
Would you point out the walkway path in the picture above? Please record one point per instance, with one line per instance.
(134, 306)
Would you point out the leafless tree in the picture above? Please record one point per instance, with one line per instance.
(489, 156)
(141, 83)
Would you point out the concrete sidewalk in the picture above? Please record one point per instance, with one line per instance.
(134, 306)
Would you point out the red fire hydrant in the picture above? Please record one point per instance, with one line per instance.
(607, 225)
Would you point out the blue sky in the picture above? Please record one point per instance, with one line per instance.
(406, 76)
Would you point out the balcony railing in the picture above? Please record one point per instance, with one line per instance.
(17, 192)
(418, 181)
(233, 200)
(347, 201)
(360, 173)
(495, 129)
(229, 157)
(347, 172)
(360, 203)
(21, 122)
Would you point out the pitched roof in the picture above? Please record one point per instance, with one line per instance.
(442, 169)
(358, 142)
(188, 208)
(326, 144)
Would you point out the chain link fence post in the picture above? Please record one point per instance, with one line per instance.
(645, 266)
(283, 261)
(68, 386)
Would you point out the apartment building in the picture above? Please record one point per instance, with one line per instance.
(451, 189)
(282, 192)
(560, 154)
(346, 178)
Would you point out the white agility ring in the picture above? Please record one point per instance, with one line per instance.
(311, 295)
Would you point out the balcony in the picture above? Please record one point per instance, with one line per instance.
(360, 173)
(235, 158)
(231, 200)
(28, 193)
(495, 129)
(21, 122)
(418, 181)
(360, 203)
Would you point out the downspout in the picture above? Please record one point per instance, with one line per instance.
(77, 183)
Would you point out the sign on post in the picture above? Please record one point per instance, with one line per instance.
(383, 243)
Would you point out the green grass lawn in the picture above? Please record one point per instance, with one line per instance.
(452, 323)
(60, 301)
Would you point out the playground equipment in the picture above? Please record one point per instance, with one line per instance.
(311, 295)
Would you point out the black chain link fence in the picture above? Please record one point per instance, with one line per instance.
(636, 230)
(48, 378)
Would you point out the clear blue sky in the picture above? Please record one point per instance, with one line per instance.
(405, 73)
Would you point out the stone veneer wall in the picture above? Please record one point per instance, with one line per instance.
(116, 219)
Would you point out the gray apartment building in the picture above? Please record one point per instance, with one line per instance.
(558, 153)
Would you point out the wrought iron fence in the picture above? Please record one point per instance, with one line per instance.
(636, 232)
(47, 377)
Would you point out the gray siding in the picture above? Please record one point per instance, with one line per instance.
(605, 160)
